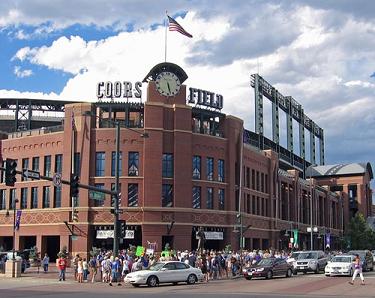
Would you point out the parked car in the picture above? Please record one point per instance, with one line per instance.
(310, 261)
(366, 259)
(293, 257)
(165, 272)
(268, 268)
(340, 265)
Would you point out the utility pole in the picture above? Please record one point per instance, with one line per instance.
(117, 190)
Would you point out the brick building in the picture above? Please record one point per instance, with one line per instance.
(194, 170)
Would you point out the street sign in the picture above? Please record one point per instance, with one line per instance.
(56, 179)
(30, 174)
(97, 196)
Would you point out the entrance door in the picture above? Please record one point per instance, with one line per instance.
(52, 246)
(167, 239)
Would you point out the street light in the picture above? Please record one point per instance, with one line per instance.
(309, 170)
(117, 177)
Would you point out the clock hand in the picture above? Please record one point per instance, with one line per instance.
(169, 88)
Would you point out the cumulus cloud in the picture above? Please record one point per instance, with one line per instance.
(319, 52)
(22, 73)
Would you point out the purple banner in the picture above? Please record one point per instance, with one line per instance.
(18, 219)
(328, 240)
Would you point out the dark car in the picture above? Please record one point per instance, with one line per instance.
(268, 268)
(366, 259)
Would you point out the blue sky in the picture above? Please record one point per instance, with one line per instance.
(319, 52)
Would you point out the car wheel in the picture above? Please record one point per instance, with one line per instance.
(152, 281)
(248, 277)
(269, 274)
(191, 279)
(351, 272)
(328, 275)
(289, 273)
(175, 283)
(317, 270)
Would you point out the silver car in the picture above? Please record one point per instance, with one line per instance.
(165, 272)
(310, 261)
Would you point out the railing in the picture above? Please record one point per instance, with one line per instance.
(35, 132)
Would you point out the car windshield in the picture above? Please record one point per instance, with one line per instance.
(295, 255)
(156, 266)
(265, 262)
(307, 255)
(360, 253)
(342, 259)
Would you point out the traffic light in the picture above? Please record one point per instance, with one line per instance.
(122, 228)
(75, 215)
(10, 172)
(74, 187)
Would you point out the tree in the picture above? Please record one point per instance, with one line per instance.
(359, 234)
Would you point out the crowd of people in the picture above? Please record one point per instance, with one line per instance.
(107, 268)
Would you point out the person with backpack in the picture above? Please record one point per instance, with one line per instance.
(93, 265)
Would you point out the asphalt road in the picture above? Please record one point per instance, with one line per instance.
(309, 285)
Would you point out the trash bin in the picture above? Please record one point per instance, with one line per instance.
(13, 268)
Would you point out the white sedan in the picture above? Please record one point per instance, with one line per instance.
(340, 265)
(165, 272)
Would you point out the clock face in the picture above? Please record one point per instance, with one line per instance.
(167, 83)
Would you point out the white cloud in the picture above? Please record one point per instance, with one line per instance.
(22, 73)
(325, 64)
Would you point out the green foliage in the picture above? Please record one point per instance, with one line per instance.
(63, 252)
(359, 234)
(33, 253)
(94, 251)
(228, 248)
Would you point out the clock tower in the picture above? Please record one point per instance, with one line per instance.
(165, 84)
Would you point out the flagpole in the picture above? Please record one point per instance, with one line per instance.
(166, 30)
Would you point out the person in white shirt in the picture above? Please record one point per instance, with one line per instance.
(45, 263)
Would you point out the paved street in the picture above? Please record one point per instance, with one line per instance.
(309, 285)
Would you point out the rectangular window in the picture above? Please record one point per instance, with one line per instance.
(258, 184)
(253, 180)
(210, 168)
(113, 164)
(221, 196)
(35, 164)
(34, 197)
(253, 205)
(196, 167)
(167, 195)
(220, 170)
(12, 197)
(46, 197)
(132, 195)
(133, 164)
(248, 204)
(58, 163)
(47, 165)
(210, 198)
(3, 205)
(196, 197)
(77, 164)
(100, 164)
(57, 197)
(266, 183)
(98, 197)
(262, 182)
(2, 173)
(25, 165)
(23, 198)
(167, 165)
(247, 177)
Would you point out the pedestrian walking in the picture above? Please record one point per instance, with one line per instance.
(357, 270)
(45, 263)
(61, 265)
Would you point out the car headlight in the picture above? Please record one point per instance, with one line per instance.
(260, 269)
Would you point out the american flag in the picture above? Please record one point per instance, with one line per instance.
(174, 26)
